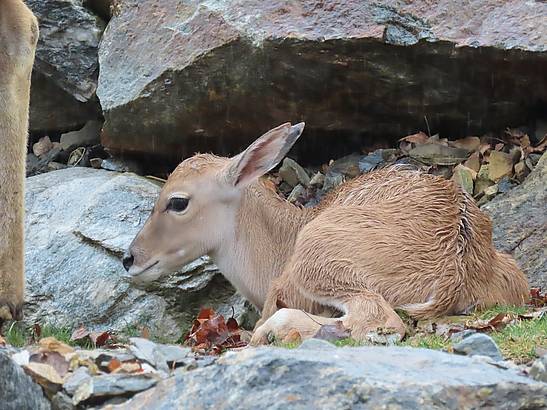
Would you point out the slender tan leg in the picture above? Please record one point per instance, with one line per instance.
(18, 37)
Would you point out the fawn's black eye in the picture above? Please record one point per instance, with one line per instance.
(177, 204)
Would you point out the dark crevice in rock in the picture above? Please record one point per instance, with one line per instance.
(99, 245)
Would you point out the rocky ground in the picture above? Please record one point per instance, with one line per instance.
(80, 219)
(122, 89)
(147, 375)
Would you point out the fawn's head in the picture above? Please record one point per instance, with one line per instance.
(198, 204)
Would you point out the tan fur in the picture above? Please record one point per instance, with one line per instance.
(392, 238)
(18, 37)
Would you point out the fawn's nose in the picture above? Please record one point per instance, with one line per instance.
(127, 261)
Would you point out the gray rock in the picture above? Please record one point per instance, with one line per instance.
(297, 194)
(459, 336)
(174, 354)
(438, 154)
(37, 165)
(104, 386)
(147, 351)
(77, 378)
(161, 70)
(344, 378)
(121, 165)
(89, 135)
(62, 401)
(371, 161)
(17, 390)
(339, 171)
(478, 344)
(293, 174)
(66, 66)
(520, 224)
(79, 221)
(538, 371)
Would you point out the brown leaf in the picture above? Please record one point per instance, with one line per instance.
(79, 334)
(541, 145)
(232, 325)
(99, 338)
(37, 331)
(210, 333)
(2, 341)
(50, 344)
(537, 298)
(145, 333)
(337, 331)
(496, 323)
(535, 314)
(418, 138)
(54, 359)
(468, 143)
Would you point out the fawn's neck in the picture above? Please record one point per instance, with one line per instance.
(266, 227)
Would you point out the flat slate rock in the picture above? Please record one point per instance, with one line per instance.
(344, 378)
(520, 224)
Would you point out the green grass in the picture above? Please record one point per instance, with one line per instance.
(18, 335)
(427, 342)
(517, 342)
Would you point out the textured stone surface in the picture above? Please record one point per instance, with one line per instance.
(66, 66)
(17, 390)
(177, 77)
(478, 344)
(79, 222)
(356, 378)
(520, 223)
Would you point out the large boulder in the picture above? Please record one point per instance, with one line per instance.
(177, 77)
(66, 68)
(79, 221)
(17, 390)
(343, 378)
(520, 223)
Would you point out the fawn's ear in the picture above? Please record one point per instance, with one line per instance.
(263, 154)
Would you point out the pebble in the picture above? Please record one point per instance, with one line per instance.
(538, 371)
(478, 344)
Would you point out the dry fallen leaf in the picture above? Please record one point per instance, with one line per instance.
(210, 333)
(537, 298)
(468, 143)
(418, 138)
(496, 323)
(2, 341)
(79, 334)
(99, 338)
(50, 344)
